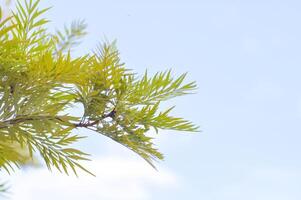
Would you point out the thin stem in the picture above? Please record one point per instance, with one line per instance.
(88, 124)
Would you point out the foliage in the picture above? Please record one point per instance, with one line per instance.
(40, 80)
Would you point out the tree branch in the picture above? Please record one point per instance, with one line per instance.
(88, 124)
(7, 123)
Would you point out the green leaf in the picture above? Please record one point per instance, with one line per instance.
(47, 94)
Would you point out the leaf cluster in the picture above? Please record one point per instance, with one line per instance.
(40, 81)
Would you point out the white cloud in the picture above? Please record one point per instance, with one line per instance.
(117, 179)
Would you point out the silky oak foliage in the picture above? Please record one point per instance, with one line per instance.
(40, 81)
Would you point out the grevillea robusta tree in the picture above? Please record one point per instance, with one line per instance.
(40, 81)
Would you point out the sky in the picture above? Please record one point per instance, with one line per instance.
(245, 58)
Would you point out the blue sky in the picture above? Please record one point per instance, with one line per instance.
(245, 57)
